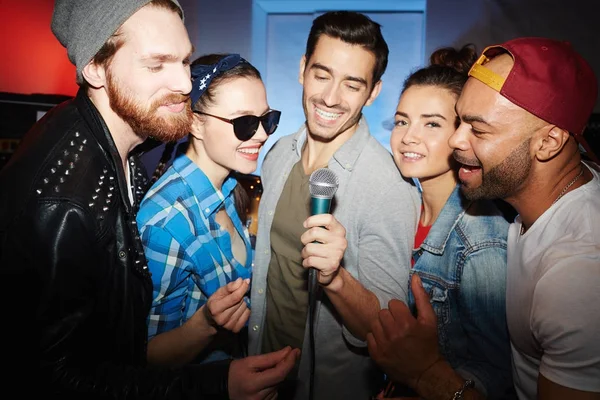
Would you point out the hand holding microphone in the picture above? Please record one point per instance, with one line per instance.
(325, 238)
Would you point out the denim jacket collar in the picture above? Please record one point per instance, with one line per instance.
(348, 153)
(455, 207)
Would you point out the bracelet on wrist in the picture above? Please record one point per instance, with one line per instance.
(458, 395)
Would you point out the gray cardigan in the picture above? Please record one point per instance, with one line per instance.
(379, 210)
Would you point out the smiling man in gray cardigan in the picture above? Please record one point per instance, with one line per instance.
(364, 249)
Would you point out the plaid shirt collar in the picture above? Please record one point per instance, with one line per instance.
(212, 199)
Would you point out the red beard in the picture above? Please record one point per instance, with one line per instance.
(145, 121)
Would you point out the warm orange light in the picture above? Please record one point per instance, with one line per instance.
(38, 62)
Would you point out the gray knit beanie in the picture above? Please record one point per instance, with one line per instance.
(83, 26)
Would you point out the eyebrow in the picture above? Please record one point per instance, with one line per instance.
(166, 57)
(356, 79)
(241, 113)
(469, 119)
(434, 115)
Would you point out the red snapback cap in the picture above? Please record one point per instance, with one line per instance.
(549, 79)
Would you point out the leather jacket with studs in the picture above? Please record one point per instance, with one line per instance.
(73, 274)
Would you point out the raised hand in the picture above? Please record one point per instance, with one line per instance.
(226, 307)
(324, 246)
(403, 346)
(257, 377)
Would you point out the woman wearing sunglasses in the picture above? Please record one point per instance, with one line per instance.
(191, 220)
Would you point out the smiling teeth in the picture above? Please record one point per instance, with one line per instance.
(412, 155)
(327, 115)
(249, 151)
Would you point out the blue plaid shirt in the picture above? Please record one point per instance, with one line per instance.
(189, 256)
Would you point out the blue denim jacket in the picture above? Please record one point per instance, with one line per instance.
(462, 264)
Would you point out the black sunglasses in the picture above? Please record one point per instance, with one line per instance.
(246, 126)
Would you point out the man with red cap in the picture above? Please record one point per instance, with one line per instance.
(523, 112)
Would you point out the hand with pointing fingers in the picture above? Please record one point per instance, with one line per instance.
(404, 346)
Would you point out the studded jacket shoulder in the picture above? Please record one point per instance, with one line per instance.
(72, 260)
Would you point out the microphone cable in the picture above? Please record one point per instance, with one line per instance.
(312, 305)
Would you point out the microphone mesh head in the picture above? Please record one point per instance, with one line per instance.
(323, 183)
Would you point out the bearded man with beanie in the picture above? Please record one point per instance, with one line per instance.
(71, 260)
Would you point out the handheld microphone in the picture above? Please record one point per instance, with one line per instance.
(323, 184)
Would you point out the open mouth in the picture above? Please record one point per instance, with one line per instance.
(327, 115)
(412, 155)
(250, 153)
(468, 171)
(253, 150)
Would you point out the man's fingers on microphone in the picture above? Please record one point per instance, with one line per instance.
(319, 220)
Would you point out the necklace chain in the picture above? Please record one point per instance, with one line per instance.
(562, 193)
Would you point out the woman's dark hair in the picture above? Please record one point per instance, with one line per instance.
(352, 28)
(448, 68)
(241, 70)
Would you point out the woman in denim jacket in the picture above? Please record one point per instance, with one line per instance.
(460, 245)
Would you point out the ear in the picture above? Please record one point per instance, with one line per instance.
(550, 142)
(197, 129)
(374, 93)
(94, 74)
(302, 68)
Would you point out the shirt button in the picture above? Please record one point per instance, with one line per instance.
(255, 328)
(261, 291)
(266, 251)
(271, 212)
(206, 209)
(121, 254)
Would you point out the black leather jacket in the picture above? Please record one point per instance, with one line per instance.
(76, 287)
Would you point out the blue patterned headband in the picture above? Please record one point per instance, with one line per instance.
(202, 75)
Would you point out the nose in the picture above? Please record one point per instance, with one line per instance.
(180, 80)
(459, 139)
(260, 135)
(331, 95)
(411, 135)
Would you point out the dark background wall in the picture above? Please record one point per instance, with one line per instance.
(34, 67)
(35, 73)
(34, 62)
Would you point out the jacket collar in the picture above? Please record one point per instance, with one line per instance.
(348, 153)
(100, 131)
(451, 213)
